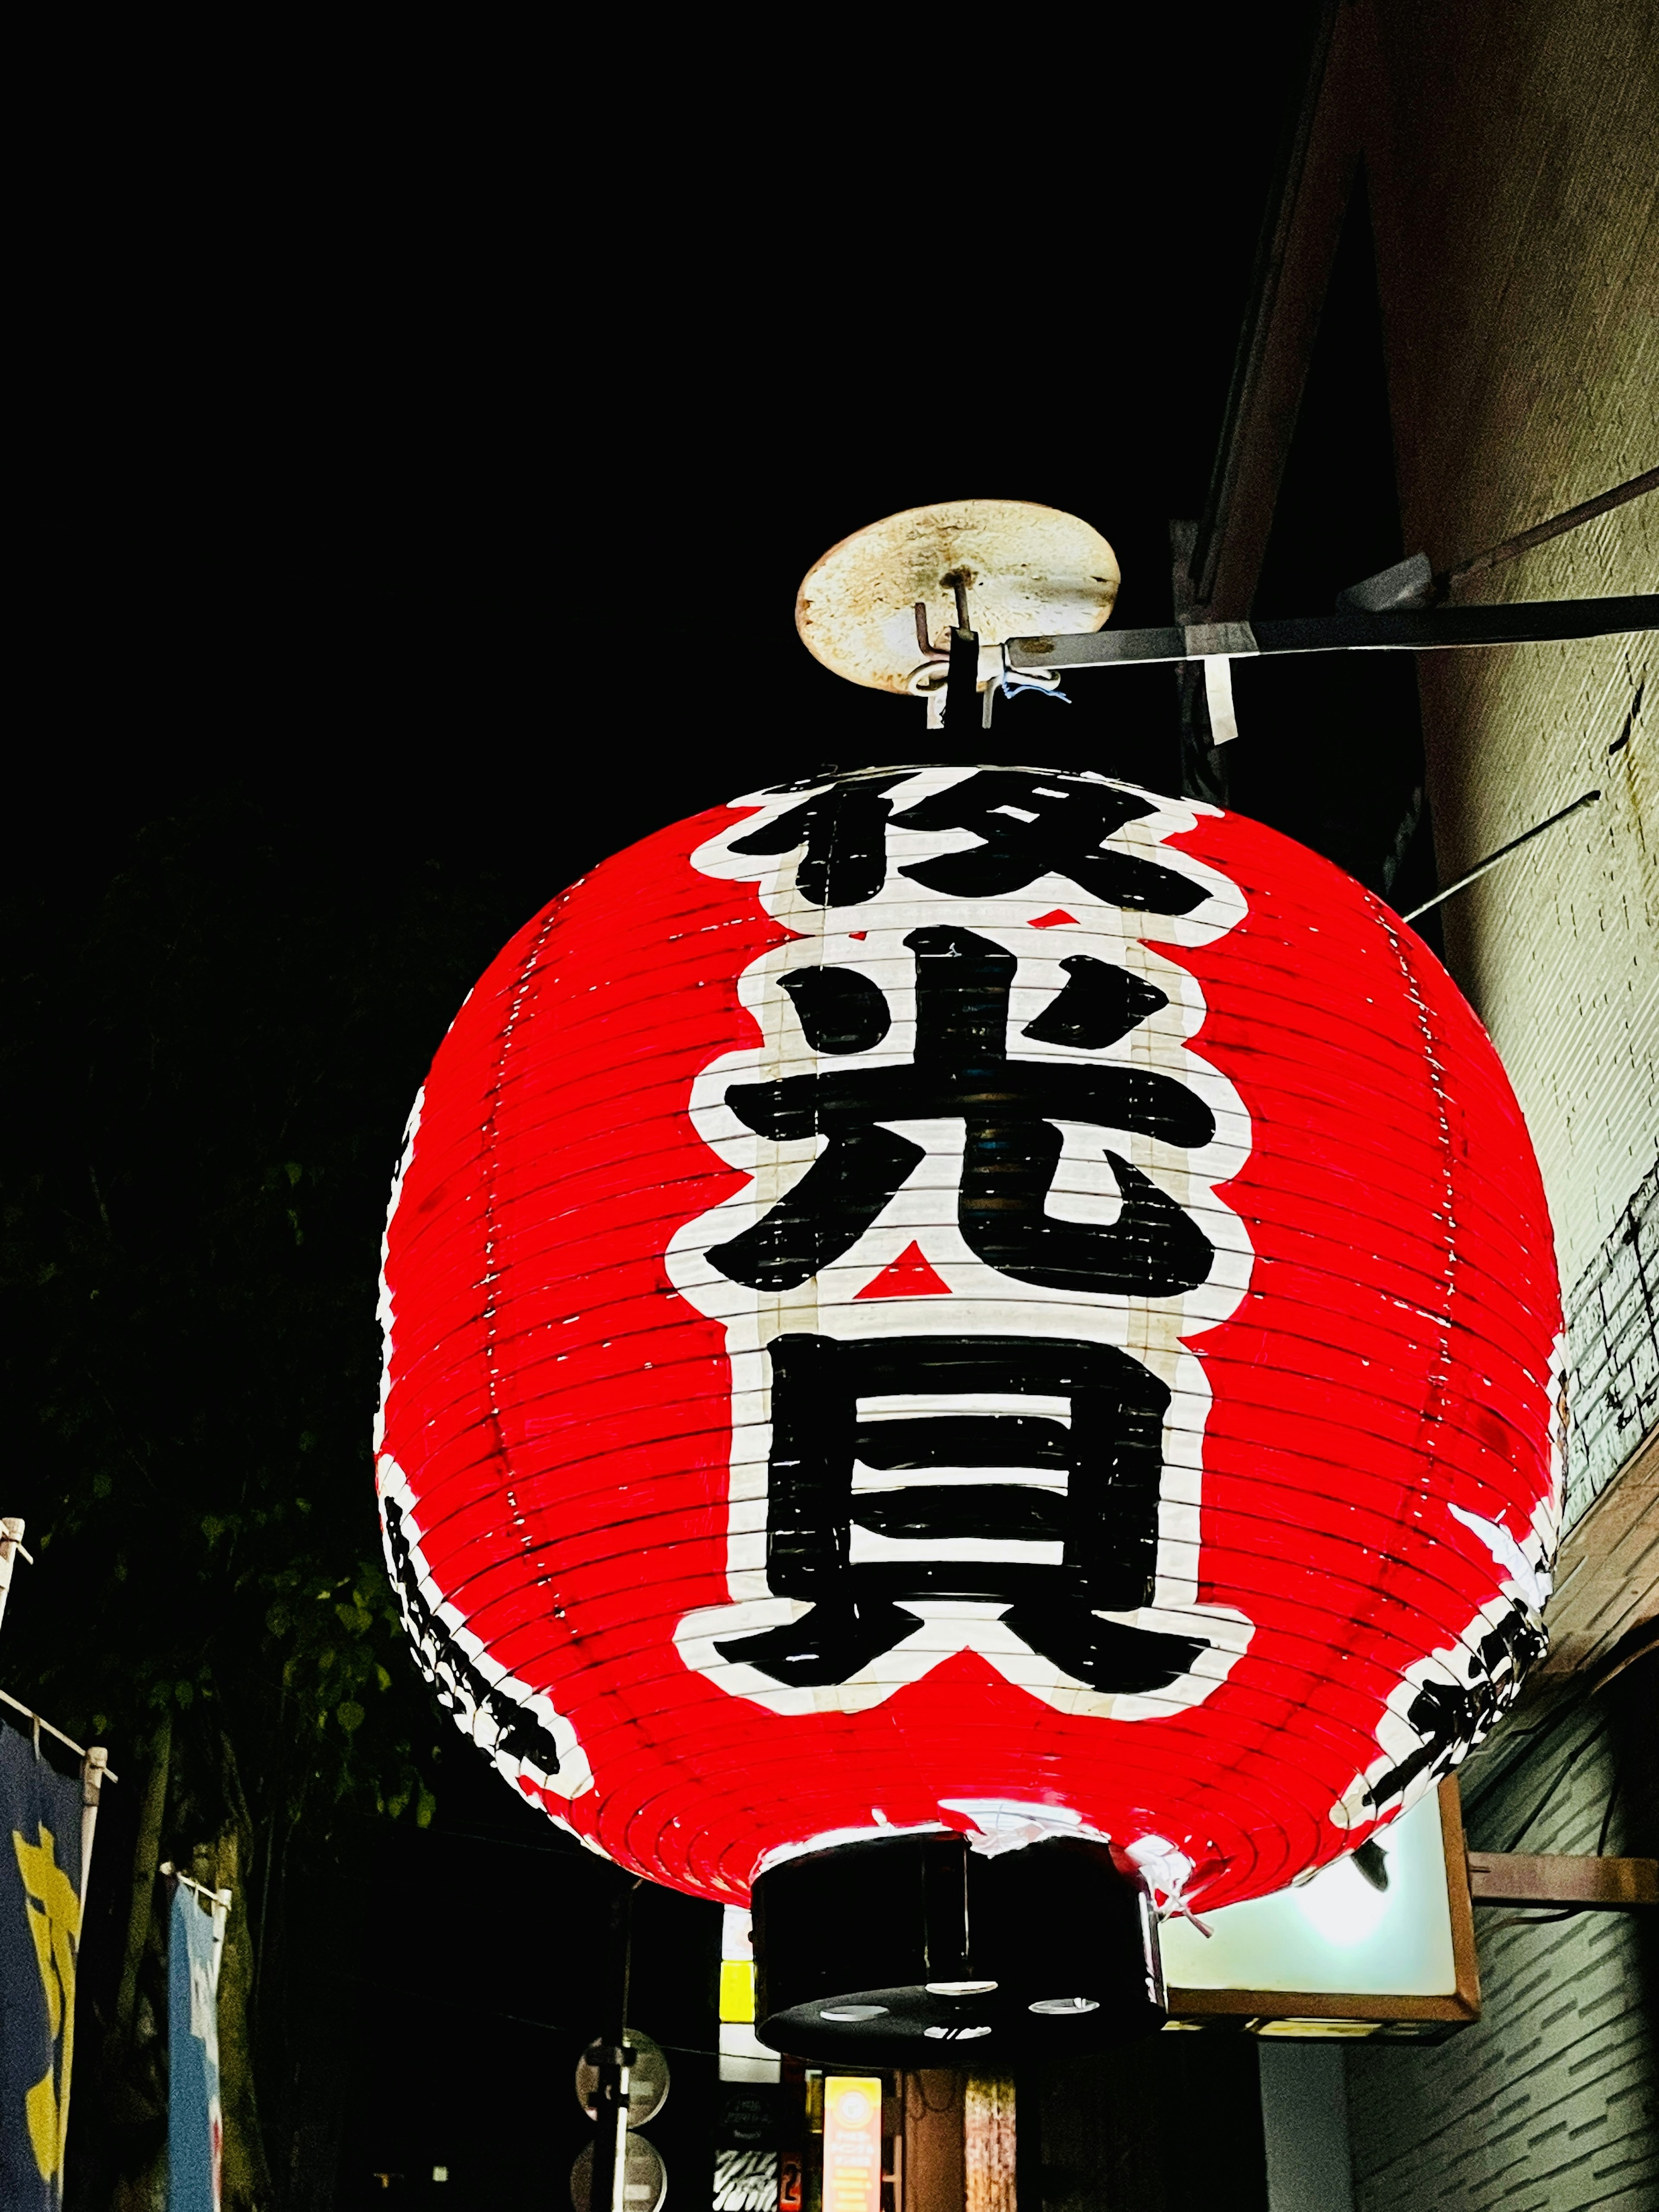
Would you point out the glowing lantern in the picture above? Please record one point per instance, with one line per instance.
(976, 1311)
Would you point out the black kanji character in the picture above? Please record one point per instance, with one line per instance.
(838, 1009)
(1451, 1719)
(1030, 825)
(1010, 1109)
(456, 1681)
(1033, 826)
(844, 830)
(1099, 1004)
(1109, 1456)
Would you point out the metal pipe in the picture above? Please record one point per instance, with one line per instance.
(1410, 629)
(11, 1543)
(610, 2096)
(68, 1741)
(1540, 533)
(1502, 854)
(962, 704)
(94, 1770)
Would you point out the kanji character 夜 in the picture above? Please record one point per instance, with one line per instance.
(844, 830)
(1029, 824)
(1032, 826)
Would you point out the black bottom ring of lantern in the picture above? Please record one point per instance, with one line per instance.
(915, 1951)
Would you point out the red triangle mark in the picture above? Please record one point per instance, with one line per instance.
(1055, 919)
(859, 933)
(909, 1276)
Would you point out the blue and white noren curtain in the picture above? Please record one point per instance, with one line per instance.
(195, 2127)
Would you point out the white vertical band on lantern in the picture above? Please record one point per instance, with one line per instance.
(1051, 918)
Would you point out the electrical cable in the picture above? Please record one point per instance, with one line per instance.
(1531, 1919)
(1613, 1799)
(1513, 1745)
(1556, 1780)
(1473, 1779)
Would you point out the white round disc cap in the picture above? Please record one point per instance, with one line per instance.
(1029, 571)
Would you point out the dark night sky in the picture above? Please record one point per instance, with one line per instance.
(432, 527)
(471, 501)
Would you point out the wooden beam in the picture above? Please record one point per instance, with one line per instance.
(1594, 1885)
(934, 2175)
(1607, 1579)
(1293, 267)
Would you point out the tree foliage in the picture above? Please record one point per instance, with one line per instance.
(208, 1054)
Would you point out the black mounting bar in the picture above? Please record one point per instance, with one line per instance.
(1532, 622)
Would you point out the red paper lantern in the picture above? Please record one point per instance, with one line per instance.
(971, 1299)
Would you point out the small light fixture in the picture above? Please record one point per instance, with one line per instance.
(440, 2173)
(1061, 2007)
(959, 1988)
(853, 2012)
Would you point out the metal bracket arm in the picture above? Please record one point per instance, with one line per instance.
(1412, 629)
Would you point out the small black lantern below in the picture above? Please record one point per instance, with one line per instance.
(917, 1951)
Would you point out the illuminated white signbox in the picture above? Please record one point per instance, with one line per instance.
(1339, 1954)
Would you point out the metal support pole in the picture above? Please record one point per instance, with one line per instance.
(11, 1543)
(93, 1768)
(1503, 852)
(610, 2098)
(962, 716)
(1410, 629)
(1541, 533)
(217, 1901)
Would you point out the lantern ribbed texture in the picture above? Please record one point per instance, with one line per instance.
(1354, 1488)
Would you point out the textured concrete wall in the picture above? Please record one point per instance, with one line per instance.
(1514, 160)
(1513, 154)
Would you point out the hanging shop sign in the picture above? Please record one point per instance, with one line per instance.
(851, 2143)
(976, 1303)
(743, 2056)
(1378, 1944)
(40, 1878)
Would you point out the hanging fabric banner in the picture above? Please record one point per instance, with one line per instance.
(195, 2127)
(40, 1935)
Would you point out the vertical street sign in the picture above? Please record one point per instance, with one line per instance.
(851, 2143)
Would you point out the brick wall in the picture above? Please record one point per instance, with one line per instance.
(1613, 1350)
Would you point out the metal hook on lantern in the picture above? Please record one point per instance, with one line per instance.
(965, 667)
(991, 675)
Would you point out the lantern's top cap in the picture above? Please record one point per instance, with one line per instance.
(1028, 571)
